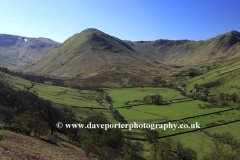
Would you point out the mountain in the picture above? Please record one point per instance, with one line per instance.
(90, 53)
(17, 52)
(185, 51)
(94, 57)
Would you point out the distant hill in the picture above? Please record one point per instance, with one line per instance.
(17, 52)
(90, 53)
(184, 51)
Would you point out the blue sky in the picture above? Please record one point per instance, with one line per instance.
(133, 20)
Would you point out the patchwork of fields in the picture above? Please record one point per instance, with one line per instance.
(151, 113)
(128, 101)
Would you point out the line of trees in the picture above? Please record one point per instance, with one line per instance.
(207, 85)
(228, 97)
(35, 78)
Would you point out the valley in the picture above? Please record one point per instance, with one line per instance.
(158, 82)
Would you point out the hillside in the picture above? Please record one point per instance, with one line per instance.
(17, 146)
(17, 52)
(227, 73)
(90, 53)
(185, 51)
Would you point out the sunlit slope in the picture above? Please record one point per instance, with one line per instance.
(184, 51)
(15, 82)
(89, 53)
(228, 73)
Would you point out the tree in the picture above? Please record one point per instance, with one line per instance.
(206, 92)
(132, 149)
(157, 80)
(235, 145)
(88, 147)
(203, 98)
(221, 96)
(107, 153)
(147, 99)
(227, 96)
(164, 150)
(151, 135)
(153, 151)
(50, 114)
(113, 138)
(109, 99)
(197, 86)
(179, 149)
(228, 137)
(211, 100)
(193, 73)
(217, 148)
(118, 116)
(189, 154)
(157, 98)
(98, 99)
(8, 114)
(186, 153)
(234, 97)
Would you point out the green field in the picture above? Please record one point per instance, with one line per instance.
(66, 96)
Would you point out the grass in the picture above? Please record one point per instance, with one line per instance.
(196, 140)
(228, 73)
(122, 95)
(15, 82)
(170, 111)
(233, 128)
(66, 96)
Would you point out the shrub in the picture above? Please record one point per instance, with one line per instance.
(2, 135)
(211, 100)
(203, 98)
(53, 139)
(216, 135)
(224, 103)
(201, 107)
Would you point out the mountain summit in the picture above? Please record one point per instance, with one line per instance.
(90, 53)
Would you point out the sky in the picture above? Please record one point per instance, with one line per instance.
(134, 20)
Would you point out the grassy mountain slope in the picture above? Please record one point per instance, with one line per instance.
(228, 73)
(184, 51)
(90, 53)
(16, 52)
